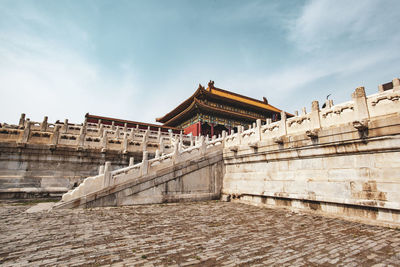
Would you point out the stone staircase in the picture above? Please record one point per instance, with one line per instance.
(186, 174)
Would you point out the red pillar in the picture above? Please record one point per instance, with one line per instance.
(199, 132)
(212, 130)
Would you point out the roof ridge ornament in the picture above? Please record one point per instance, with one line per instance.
(211, 84)
(201, 86)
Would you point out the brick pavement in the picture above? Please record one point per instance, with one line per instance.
(190, 234)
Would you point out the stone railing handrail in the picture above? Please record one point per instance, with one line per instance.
(108, 178)
(357, 111)
(126, 169)
(91, 135)
(88, 136)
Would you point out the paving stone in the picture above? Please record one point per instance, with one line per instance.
(189, 234)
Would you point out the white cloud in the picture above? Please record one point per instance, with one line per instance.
(326, 23)
(42, 77)
(336, 43)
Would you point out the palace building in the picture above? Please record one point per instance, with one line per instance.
(211, 110)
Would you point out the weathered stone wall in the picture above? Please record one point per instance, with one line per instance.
(36, 171)
(44, 159)
(342, 160)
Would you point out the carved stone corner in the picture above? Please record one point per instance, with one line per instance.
(253, 144)
(79, 148)
(103, 150)
(361, 125)
(236, 196)
(21, 144)
(312, 133)
(278, 140)
(52, 147)
(234, 148)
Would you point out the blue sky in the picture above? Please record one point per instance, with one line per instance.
(137, 60)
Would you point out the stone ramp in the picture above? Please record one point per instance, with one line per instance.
(41, 207)
(190, 174)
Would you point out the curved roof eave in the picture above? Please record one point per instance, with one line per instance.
(181, 106)
(198, 104)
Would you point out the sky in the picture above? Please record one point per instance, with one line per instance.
(137, 60)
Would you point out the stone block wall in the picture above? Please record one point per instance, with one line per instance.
(42, 159)
(342, 160)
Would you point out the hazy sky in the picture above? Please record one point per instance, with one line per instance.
(137, 60)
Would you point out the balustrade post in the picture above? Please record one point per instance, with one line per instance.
(26, 133)
(55, 137)
(314, 116)
(240, 130)
(145, 139)
(258, 129)
(158, 134)
(65, 126)
(360, 104)
(161, 145)
(170, 136)
(203, 145)
(104, 142)
(43, 126)
(283, 126)
(396, 84)
(21, 120)
(125, 143)
(107, 174)
(145, 163)
(191, 140)
(101, 169)
(131, 161)
(223, 138)
(117, 133)
(132, 134)
(101, 130)
(81, 140)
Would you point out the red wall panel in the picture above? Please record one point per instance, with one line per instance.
(194, 129)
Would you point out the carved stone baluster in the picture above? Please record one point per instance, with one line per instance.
(22, 121)
(314, 116)
(104, 142)
(125, 143)
(43, 126)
